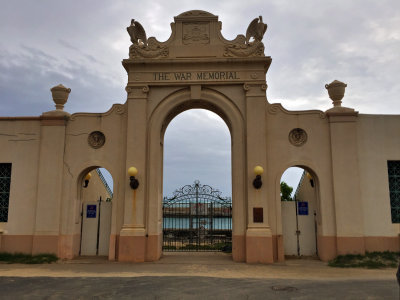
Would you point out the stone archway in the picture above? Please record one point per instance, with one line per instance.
(161, 116)
(167, 78)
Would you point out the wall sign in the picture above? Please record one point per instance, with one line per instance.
(91, 211)
(302, 208)
(258, 215)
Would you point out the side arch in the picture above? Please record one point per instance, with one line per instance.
(70, 219)
(324, 206)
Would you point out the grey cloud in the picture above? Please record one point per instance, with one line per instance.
(28, 76)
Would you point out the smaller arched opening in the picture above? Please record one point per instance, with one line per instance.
(94, 210)
(300, 212)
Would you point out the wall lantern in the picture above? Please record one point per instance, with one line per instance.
(310, 178)
(134, 183)
(257, 183)
(87, 178)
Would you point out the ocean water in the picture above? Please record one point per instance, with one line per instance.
(206, 223)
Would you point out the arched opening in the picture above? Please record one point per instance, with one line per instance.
(94, 208)
(300, 212)
(197, 183)
(162, 114)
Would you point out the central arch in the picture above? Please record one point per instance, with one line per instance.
(160, 117)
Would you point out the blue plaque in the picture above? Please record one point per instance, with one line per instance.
(302, 208)
(91, 211)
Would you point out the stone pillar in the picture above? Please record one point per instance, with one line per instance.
(345, 171)
(258, 235)
(50, 175)
(132, 241)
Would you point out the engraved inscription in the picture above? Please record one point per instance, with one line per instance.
(187, 76)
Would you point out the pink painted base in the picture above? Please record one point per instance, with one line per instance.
(16, 243)
(68, 246)
(279, 253)
(259, 249)
(154, 247)
(239, 248)
(350, 245)
(45, 244)
(131, 248)
(326, 247)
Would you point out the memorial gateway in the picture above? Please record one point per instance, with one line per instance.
(352, 159)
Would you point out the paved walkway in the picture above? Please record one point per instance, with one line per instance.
(195, 264)
(194, 276)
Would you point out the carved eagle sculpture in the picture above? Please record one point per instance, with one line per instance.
(137, 33)
(256, 30)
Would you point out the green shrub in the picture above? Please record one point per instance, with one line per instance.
(21, 258)
(371, 260)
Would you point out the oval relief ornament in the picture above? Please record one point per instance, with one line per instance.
(297, 137)
(96, 139)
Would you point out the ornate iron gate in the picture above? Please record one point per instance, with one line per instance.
(197, 218)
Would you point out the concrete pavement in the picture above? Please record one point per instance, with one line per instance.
(194, 276)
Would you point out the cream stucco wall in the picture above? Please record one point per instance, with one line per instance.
(378, 141)
(20, 143)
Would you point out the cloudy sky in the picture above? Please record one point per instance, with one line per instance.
(81, 44)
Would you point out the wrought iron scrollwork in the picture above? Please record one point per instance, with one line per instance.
(188, 193)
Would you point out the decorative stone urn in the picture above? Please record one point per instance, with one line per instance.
(60, 95)
(336, 91)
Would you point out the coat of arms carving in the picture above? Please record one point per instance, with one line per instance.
(297, 137)
(196, 33)
(96, 139)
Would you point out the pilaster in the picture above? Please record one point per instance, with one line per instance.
(50, 182)
(132, 242)
(346, 180)
(258, 234)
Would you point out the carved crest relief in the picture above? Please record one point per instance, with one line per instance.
(298, 137)
(196, 33)
(96, 139)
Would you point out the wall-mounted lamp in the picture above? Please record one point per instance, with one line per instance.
(257, 183)
(87, 178)
(134, 183)
(310, 178)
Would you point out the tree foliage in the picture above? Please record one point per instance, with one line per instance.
(286, 192)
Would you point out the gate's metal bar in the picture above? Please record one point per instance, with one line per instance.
(197, 216)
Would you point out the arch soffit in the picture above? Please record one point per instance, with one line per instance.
(306, 165)
(180, 101)
(78, 171)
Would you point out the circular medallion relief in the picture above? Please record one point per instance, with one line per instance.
(96, 139)
(297, 137)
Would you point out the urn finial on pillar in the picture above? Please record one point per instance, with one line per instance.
(60, 95)
(336, 91)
